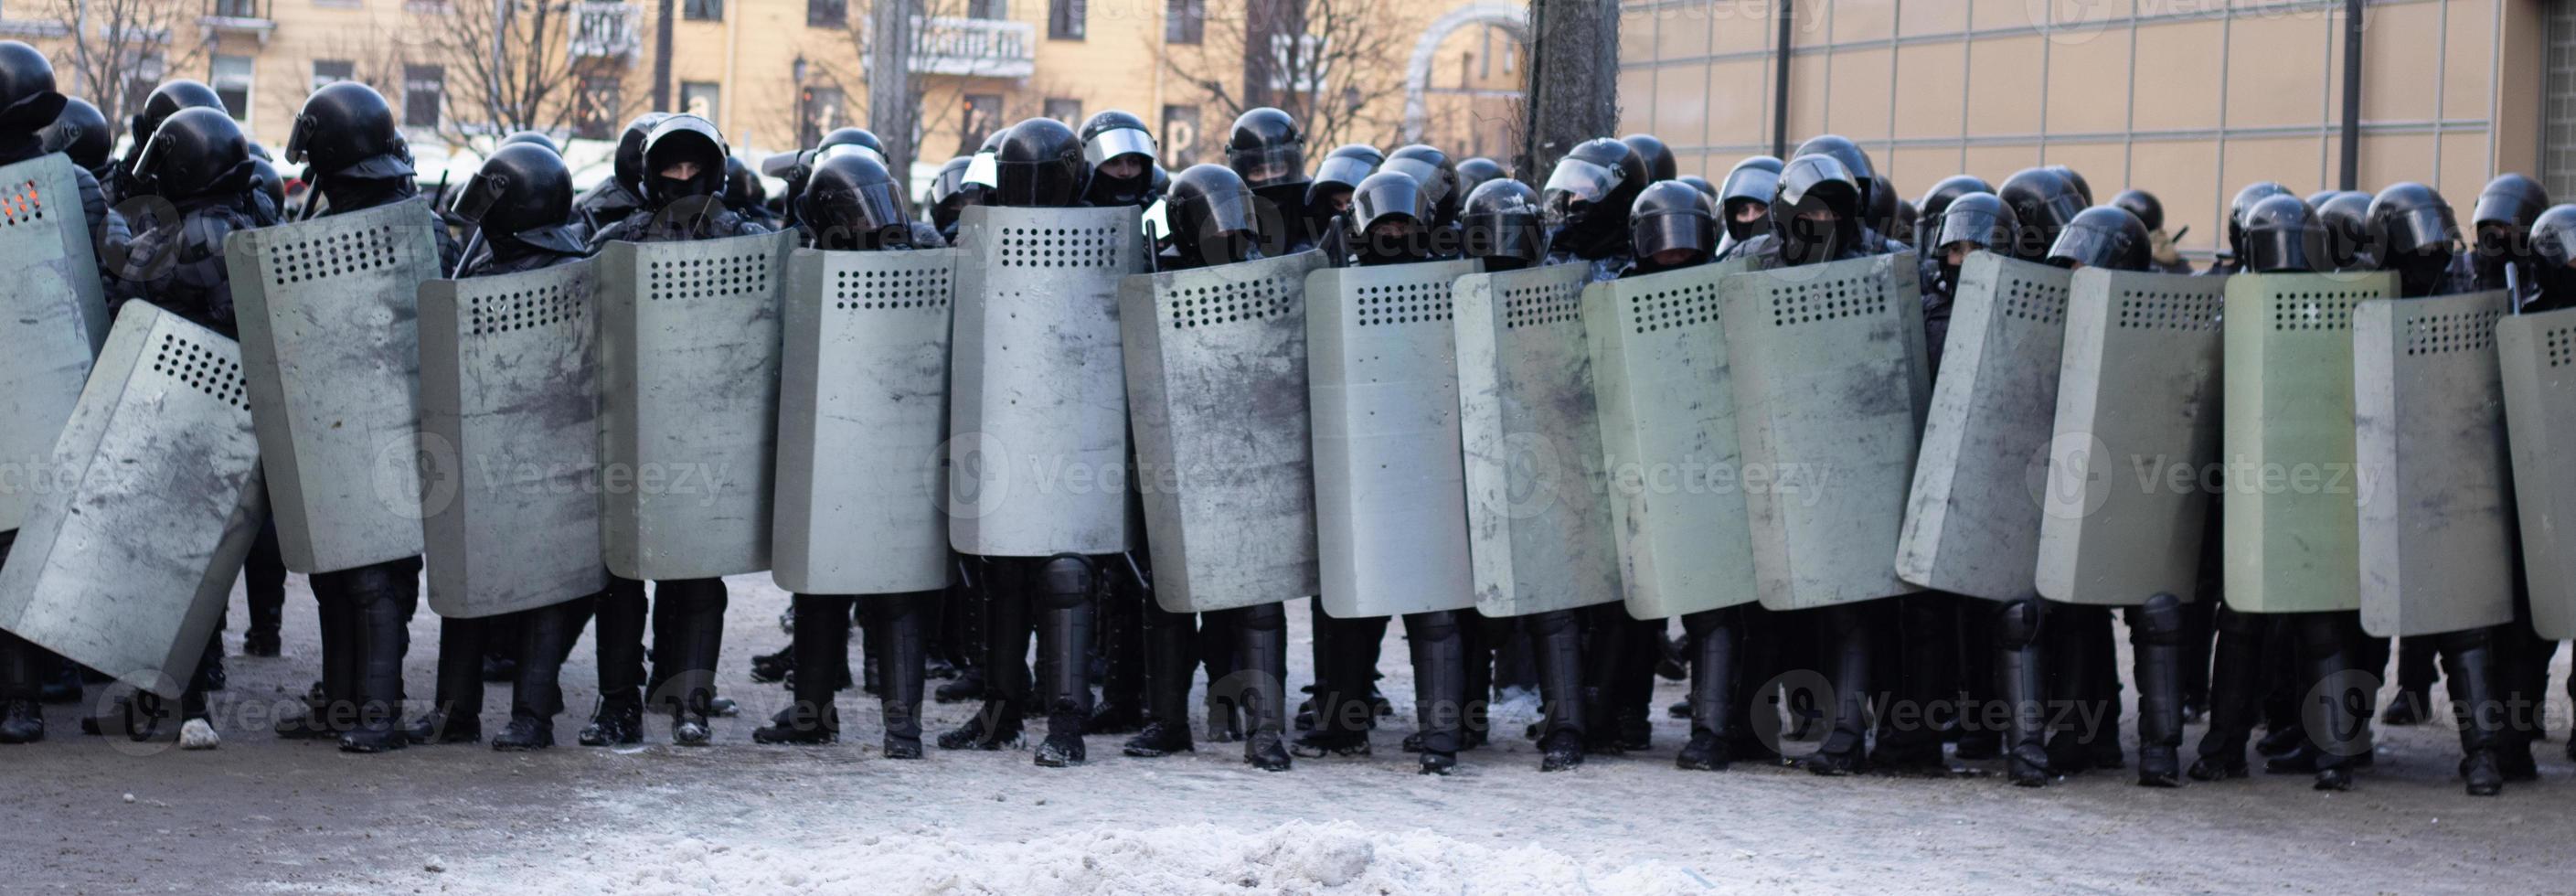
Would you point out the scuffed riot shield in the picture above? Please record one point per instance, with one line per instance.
(1668, 434)
(2290, 513)
(330, 338)
(863, 413)
(1971, 522)
(2538, 355)
(688, 368)
(1390, 491)
(1538, 516)
(2428, 421)
(509, 418)
(1828, 366)
(1216, 376)
(1037, 401)
(2127, 495)
(59, 314)
(131, 548)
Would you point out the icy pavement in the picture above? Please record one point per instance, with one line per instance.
(266, 816)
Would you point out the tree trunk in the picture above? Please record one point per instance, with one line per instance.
(1573, 80)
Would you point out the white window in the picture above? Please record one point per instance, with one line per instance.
(231, 81)
(329, 71)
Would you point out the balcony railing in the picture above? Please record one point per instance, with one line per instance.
(604, 30)
(249, 17)
(983, 48)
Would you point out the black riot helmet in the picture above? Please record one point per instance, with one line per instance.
(1212, 216)
(347, 130)
(1882, 206)
(2044, 203)
(2345, 218)
(1267, 149)
(1432, 169)
(1039, 165)
(678, 139)
(1672, 218)
(2319, 197)
(1588, 196)
(2104, 236)
(1816, 212)
(82, 133)
(628, 165)
(852, 203)
(1855, 161)
(1752, 182)
(847, 140)
(165, 101)
(2244, 202)
(2284, 236)
(2145, 205)
(28, 100)
(532, 138)
(267, 181)
(1906, 219)
(523, 192)
(2502, 222)
(1474, 171)
(1390, 219)
(2553, 248)
(2075, 179)
(1660, 166)
(1701, 184)
(196, 152)
(1115, 136)
(1937, 200)
(1981, 220)
(948, 194)
(1341, 172)
(743, 189)
(2413, 230)
(1504, 225)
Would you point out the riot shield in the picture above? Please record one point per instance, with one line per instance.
(1538, 516)
(509, 418)
(1971, 524)
(1216, 379)
(1390, 489)
(1668, 436)
(60, 314)
(862, 415)
(2428, 420)
(688, 373)
(131, 547)
(2293, 536)
(330, 338)
(1830, 384)
(2128, 482)
(1037, 399)
(2538, 356)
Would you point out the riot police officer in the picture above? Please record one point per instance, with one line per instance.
(2044, 203)
(1660, 165)
(1120, 152)
(199, 163)
(165, 100)
(1268, 150)
(1431, 168)
(1672, 227)
(2502, 223)
(1744, 200)
(2553, 248)
(746, 195)
(356, 158)
(1504, 225)
(1970, 222)
(949, 197)
(1587, 198)
(1328, 194)
(613, 199)
(851, 204)
(2151, 212)
(2237, 207)
(81, 133)
(1476, 171)
(2345, 216)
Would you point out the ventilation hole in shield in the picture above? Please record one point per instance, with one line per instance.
(1538, 306)
(2459, 331)
(1684, 307)
(544, 306)
(2316, 311)
(1828, 300)
(2559, 346)
(22, 204)
(1253, 300)
(2161, 310)
(192, 364)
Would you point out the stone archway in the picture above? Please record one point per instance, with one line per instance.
(1512, 17)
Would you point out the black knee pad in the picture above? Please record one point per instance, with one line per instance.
(1065, 581)
(2158, 621)
(2017, 624)
(1437, 626)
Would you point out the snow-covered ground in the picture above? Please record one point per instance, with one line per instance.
(266, 816)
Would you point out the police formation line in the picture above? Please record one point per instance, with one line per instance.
(1387, 382)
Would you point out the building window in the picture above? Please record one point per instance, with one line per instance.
(988, 9)
(423, 87)
(1064, 19)
(827, 13)
(231, 81)
(330, 71)
(699, 98)
(1065, 110)
(983, 117)
(1180, 136)
(703, 10)
(1184, 21)
(822, 113)
(597, 119)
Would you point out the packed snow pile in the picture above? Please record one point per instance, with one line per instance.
(1337, 857)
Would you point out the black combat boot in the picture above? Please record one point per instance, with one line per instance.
(901, 623)
(2020, 673)
(1006, 680)
(2336, 720)
(1438, 644)
(545, 636)
(1557, 646)
(1121, 708)
(333, 707)
(2235, 691)
(623, 613)
(1171, 657)
(1852, 635)
(380, 600)
(2155, 639)
(1065, 585)
(821, 630)
(22, 720)
(264, 585)
(2413, 704)
(2469, 671)
(1909, 734)
(455, 715)
(685, 663)
(1711, 639)
(1260, 681)
(1341, 714)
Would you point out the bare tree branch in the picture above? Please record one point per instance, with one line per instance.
(1329, 63)
(116, 51)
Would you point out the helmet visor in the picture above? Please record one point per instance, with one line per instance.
(984, 170)
(2086, 246)
(1345, 170)
(1267, 166)
(300, 140)
(481, 193)
(1583, 181)
(1114, 143)
(846, 149)
(1661, 233)
(2417, 229)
